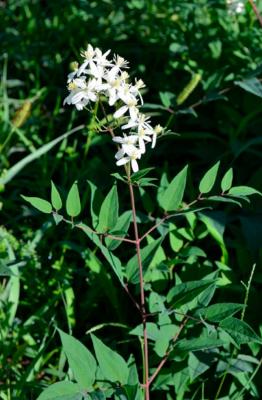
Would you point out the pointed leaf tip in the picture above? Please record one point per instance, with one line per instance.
(73, 204)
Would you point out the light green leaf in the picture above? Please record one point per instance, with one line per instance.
(40, 204)
(218, 312)
(243, 191)
(112, 365)
(147, 254)
(58, 218)
(15, 169)
(187, 291)
(73, 204)
(240, 331)
(172, 197)
(61, 391)
(55, 197)
(208, 180)
(120, 229)
(80, 360)
(251, 85)
(109, 211)
(227, 180)
(152, 331)
(224, 199)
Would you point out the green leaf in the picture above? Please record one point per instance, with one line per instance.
(147, 254)
(40, 204)
(224, 199)
(80, 360)
(73, 204)
(218, 312)
(61, 391)
(122, 226)
(208, 180)
(152, 331)
(243, 191)
(171, 199)
(198, 344)
(110, 257)
(15, 169)
(227, 180)
(112, 365)
(199, 362)
(55, 197)
(108, 214)
(140, 174)
(240, 331)
(251, 85)
(187, 291)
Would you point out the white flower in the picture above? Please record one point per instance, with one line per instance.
(135, 89)
(114, 85)
(143, 136)
(141, 122)
(132, 155)
(81, 92)
(130, 105)
(235, 6)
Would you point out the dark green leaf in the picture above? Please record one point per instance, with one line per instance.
(55, 197)
(172, 197)
(108, 214)
(208, 180)
(147, 254)
(224, 199)
(40, 204)
(112, 365)
(140, 174)
(240, 331)
(73, 204)
(80, 360)
(198, 344)
(122, 225)
(185, 292)
(220, 311)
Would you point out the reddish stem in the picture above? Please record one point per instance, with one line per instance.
(164, 360)
(142, 293)
(255, 9)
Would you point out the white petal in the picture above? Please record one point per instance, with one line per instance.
(134, 165)
(133, 113)
(123, 161)
(142, 146)
(118, 139)
(153, 141)
(120, 154)
(121, 111)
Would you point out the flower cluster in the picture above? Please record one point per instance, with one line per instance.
(98, 75)
(235, 6)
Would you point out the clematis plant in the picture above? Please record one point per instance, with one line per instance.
(97, 77)
(174, 324)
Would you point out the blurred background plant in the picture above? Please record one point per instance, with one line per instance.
(201, 62)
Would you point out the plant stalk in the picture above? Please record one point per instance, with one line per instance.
(142, 292)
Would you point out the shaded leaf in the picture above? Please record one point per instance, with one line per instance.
(122, 226)
(198, 344)
(218, 312)
(147, 254)
(240, 331)
(251, 85)
(187, 291)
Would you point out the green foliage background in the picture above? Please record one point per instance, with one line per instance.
(62, 282)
